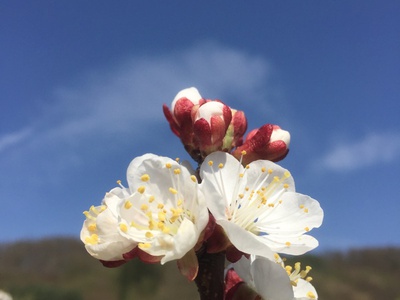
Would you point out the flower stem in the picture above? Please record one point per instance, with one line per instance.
(210, 277)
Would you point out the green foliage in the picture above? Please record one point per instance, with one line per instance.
(44, 293)
(61, 269)
(142, 278)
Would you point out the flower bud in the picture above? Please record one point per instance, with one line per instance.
(236, 130)
(204, 126)
(269, 142)
(210, 123)
(180, 115)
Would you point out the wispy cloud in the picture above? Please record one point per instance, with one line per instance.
(373, 149)
(125, 100)
(14, 138)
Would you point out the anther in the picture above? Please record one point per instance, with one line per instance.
(128, 204)
(145, 177)
(123, 227)
(173, 191)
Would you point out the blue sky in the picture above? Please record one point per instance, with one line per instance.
(82, 85)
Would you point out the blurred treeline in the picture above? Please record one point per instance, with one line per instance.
(61, 269)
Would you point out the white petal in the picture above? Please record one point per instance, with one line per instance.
(266, 277)
(244, 240)
(184, 240)
(255, 175)
(302, 289)
(290, 245)
(190, 93)
(271, 280)
(294, 215)
(111, 245)
(221, 185)
(208, 110)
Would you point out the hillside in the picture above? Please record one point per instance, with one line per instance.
(60, 269)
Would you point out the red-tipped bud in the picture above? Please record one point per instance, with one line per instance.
(210, 123)
(236, 130)
(268, 142)
(204, 126)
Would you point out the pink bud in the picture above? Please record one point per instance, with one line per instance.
(268, 142)
(204, 126)
(236, 130)
(180, 115)
(210, 123)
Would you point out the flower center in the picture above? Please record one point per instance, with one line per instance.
(251, 200)
(158, 217)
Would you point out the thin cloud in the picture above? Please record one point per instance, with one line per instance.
(14, 138)
(372, 150)
(133, 92)
(119, 103)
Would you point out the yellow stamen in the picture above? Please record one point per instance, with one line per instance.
(161, 216)
(92, 240)
(123, 227)
(145, 177)
(144, 245)
(141, 189)
(128, 204)
(311, 295)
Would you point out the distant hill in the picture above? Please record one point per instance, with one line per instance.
(61, 269)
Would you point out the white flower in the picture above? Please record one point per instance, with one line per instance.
(5, 296)
(165, 212)
(273, 281)
(100, 231)
(258, 207)
(265, 276)
(302, 288)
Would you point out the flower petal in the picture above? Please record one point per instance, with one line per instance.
(269, 279)
(188, 265)
(220, 185)
(244, 240)
(304, 291)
